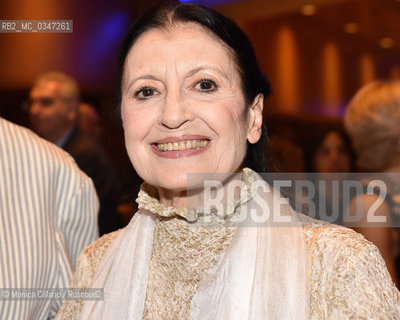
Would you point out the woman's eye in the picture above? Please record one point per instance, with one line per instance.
(145, 93)
(206, 85)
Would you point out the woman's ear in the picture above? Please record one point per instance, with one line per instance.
(255, 117)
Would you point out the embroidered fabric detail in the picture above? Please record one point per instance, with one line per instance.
(87, 264)
(181, 256)
(184, 252)
(348, 277)
(148, 200)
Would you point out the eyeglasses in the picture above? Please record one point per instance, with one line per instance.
(44, 102)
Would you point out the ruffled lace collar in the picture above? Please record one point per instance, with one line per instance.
(148, 199)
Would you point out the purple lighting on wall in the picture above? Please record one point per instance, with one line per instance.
(102, 44)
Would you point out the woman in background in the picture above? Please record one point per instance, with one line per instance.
(372, 120)
(329, 151)
(328, 160)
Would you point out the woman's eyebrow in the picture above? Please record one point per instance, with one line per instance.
(142, 77)
(205, 68)
(188, 74)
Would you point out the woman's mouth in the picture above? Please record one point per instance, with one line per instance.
(182, 145)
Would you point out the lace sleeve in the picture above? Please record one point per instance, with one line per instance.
(86, 268)
(349, 279)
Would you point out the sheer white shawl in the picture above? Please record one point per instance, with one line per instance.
(262, 275)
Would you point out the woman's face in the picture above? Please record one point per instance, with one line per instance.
(332, 155)
(183, 108)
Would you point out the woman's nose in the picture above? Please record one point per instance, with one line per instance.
(175, 111)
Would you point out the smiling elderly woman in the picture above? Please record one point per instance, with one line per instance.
(191, 102)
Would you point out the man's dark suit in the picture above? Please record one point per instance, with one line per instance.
(92, 160)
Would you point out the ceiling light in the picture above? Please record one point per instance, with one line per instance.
(308, 10)
(351, 27)
(386, 43)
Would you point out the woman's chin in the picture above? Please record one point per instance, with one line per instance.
(181, 183)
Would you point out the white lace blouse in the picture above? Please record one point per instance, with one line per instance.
(347, 276)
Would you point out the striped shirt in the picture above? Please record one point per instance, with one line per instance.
(48, 213)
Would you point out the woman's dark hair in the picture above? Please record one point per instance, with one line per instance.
(253, 82)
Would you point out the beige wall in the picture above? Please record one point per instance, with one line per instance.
(312, 69)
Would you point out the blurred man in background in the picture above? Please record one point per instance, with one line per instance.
(53, 107)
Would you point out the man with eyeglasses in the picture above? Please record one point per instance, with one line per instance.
(53, 108)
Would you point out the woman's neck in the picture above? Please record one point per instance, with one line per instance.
(172, 198)
(214, 188)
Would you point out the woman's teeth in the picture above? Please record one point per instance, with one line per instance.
(182, 145)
